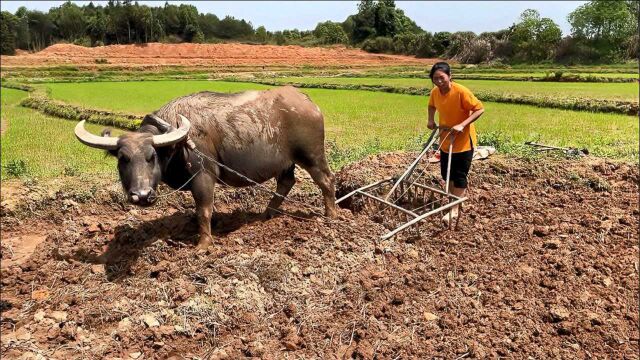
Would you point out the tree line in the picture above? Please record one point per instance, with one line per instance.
(602, 31)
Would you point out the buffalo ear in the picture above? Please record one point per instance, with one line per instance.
(106, 132)
(163, 126)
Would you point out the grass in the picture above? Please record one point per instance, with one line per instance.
(383, 121)
(38, 146)
(543, 74)
(610, 91)
(136, 97)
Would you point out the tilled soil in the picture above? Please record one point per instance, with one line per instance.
(207, 54)
(544, 264)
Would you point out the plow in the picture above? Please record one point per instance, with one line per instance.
(404, 203)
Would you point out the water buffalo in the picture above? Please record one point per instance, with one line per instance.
(261, 134)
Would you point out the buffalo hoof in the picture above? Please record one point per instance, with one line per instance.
(270, 214)
(204, 242)
(331, 213)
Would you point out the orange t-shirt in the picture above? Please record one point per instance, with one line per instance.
(453, 108)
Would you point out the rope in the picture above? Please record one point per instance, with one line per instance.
(185, 184)
(313, 210)
(180, 188)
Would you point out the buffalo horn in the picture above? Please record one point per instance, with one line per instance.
(89, 139)
(173, 137)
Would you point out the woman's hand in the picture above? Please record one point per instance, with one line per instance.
(431, 125)
(458, 128)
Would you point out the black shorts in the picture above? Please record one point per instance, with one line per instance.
(460, 165)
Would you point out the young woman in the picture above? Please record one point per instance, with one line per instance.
(457, 109)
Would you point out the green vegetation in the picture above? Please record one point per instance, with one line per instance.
(614, 91)
(541, 100)
(358, 123)
(35, 145)
(71, 112)
(137, 97)
(383, 121)
(548, 73)
(602, 31)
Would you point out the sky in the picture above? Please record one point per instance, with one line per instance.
(433, 16)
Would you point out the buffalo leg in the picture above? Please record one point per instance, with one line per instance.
(322, 176)
(285, 182)
(202, 190)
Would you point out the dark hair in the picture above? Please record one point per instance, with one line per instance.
(443, 66)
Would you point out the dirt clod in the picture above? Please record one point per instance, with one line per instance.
(559, 313)
(491, 289)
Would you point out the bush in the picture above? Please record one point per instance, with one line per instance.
(575, 51)
(198, 38)
(459, 41)
(378, 45)
(330, 33)
(503, 50)
(405, 44)
(171, 39)
(83, 41)
(424, 46)
(633, 48)
(71, 170)
(71, 112)
(16, 168)
(475, 51)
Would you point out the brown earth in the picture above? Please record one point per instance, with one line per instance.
(544, 264)
(206, 54)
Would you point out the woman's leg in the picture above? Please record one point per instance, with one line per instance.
(460, 166)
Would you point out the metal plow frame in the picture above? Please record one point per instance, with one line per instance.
(409, 199)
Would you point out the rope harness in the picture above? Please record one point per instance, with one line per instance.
(201, 156)
(316, 211)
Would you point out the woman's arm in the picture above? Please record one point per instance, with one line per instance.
(473, 117)
(431, 124)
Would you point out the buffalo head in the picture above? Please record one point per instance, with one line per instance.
(141, 155)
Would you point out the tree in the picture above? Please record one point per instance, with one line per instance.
(405, 44)
(404, 25)
(291, 36)
(188, 17)
(41, 30)
(457, 42)
(534, 38)
(231, 28)
(192, 32)
(171, 19)
(605, 25)
(425, 46)
(501, 46)
(70, 21)
(23, 37)
(261, 34)
(8, 29)
(208, 24)
(280, 40)
(97, 27)
(378, 19)
(330, 33)
(385, 22)
(441, 42)
(364, 22)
